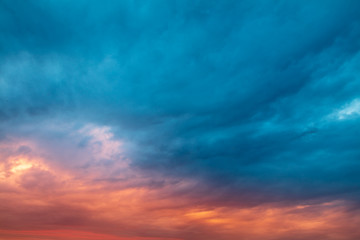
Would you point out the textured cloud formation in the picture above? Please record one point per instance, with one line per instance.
(163, 119)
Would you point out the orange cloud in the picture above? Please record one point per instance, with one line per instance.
(40, 199)
(67, 234)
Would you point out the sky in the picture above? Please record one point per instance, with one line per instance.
(179, 120)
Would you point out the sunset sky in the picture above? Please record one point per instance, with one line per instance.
(179, 120)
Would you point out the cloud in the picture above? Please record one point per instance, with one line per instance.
(220, 104)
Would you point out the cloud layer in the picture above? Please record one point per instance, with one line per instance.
(163, 119)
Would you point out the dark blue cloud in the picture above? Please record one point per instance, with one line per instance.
(251, 98)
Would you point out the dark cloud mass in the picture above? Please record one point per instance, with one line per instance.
(257, 101)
